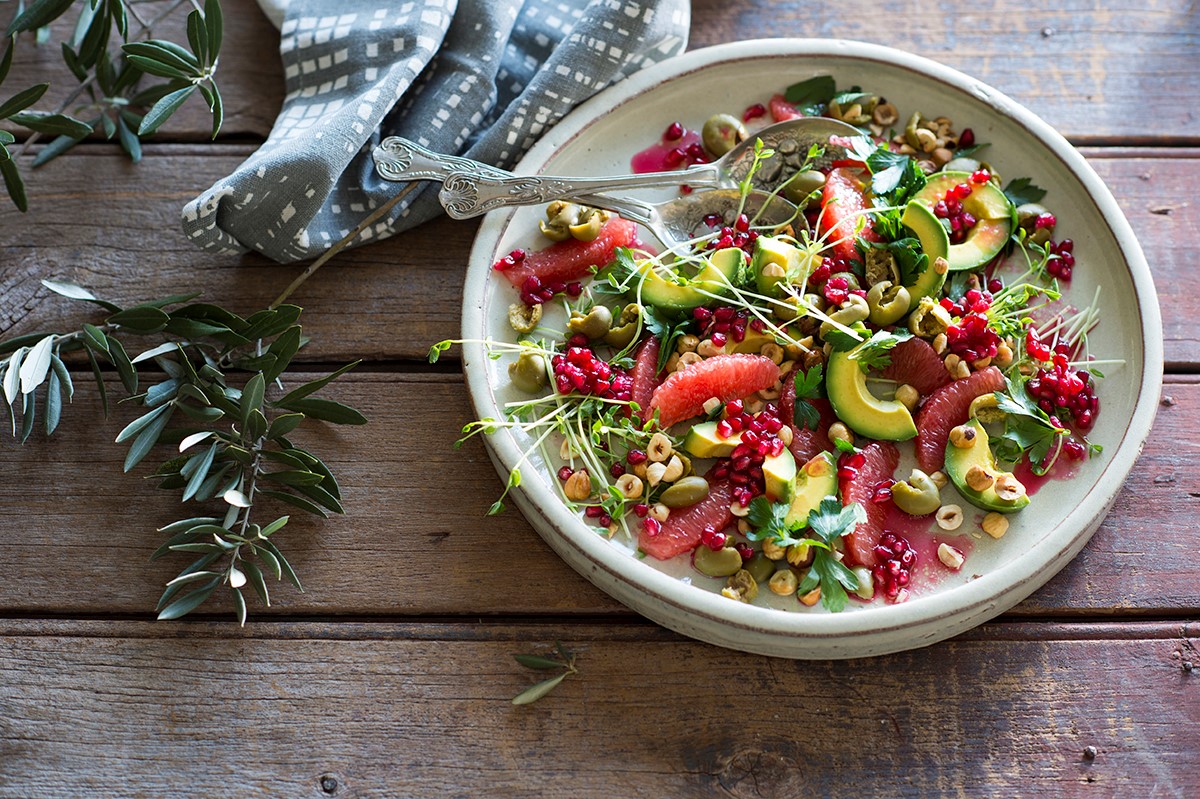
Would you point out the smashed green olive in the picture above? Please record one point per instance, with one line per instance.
(686, 491)
(524, 318)
(528, 372)
(721, 563)
(1027, 215)
(888, 302)
(588, 227)
(721, 133)
(803, 184)
(760, 567)
(595, 324)
(918, 495)
(743, 585)
(624, 329)
(854, 309)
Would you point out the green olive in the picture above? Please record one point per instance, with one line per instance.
(918, 495)
(788, 310)
(888, 303)
(554, 232)
(595, 324)
(910, 130)
(991, 170)
(986, 409)
(621, 337)
(760, 567)
(685, 492)
(588, 227)
(743, 584)
(563, 213)
(929, 318)
(524, 318)
(719, 563)
(879, 265)
(961, 163)
(1027, 215)
(721, 133)
(802, 185)
(528, 372)
(854, 309)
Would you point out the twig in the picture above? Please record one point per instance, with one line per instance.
(340, 245)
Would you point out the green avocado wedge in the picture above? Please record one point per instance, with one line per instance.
(934, 243)
(702, 441)
(857, 407)
(719, 271)
(771, 251)
(960, 460)
(989, 206)
(779, 475)
(815, 480)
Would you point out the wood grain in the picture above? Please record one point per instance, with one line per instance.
(1094, 71)
(391, 300)
(82, 550)
(250, 73)
(423, 710)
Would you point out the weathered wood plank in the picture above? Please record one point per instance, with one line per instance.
(1094, 72)
(79, 541)
(250, 73)
(423, 710)
(393, 299)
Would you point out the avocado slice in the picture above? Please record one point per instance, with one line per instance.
(720, 269)
(987, 204)
(959, 462)
(866, 414)
(771, 250)
(816, 480)
(702, 441)
(934, 243)
(752, 344)
(779, 474)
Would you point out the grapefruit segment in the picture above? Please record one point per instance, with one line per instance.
(644, 375)
(843, 201)
(682, 530)
(572, 259)
(947, 407)
(914, 362)
(806, 442)
(782, 110)
(726, 377)
(881, 459)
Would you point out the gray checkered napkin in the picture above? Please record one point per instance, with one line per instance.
(481, 78)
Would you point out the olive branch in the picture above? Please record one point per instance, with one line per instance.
(234, 444)
(110, 97)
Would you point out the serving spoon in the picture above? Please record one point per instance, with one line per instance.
(685, 218)
(471, 188)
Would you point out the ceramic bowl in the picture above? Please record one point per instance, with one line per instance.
(601, 136)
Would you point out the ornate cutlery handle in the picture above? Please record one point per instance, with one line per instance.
(401, 159)
(472, 192)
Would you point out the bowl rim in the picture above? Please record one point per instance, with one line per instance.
(988, 595)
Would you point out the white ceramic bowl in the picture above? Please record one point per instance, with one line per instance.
(599, 138)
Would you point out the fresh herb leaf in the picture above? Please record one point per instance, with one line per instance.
(810, 385)
(818, 90)
(875, 352)
(1028, 431)
(1023, 190)
(666, 331)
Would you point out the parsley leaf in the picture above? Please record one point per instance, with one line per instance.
(768, 522)
(666, 332)
(874, 353)
(809, 386)
(895, 178)
(1023, 190)
(814, 91)
(828, 523)
(1028, 431)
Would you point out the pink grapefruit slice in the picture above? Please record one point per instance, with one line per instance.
(726, 377)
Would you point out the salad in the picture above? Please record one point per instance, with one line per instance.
(743, 402)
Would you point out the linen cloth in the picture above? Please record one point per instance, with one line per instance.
(480, 78)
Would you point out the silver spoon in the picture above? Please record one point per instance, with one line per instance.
(684, 218)
(478, 188)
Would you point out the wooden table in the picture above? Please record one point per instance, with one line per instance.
(391, 676)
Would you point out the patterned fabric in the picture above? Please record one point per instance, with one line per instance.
(481, 78)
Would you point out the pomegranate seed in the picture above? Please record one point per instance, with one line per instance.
(754, 112)
(673, 132)
(652, 526)
(565, 473)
